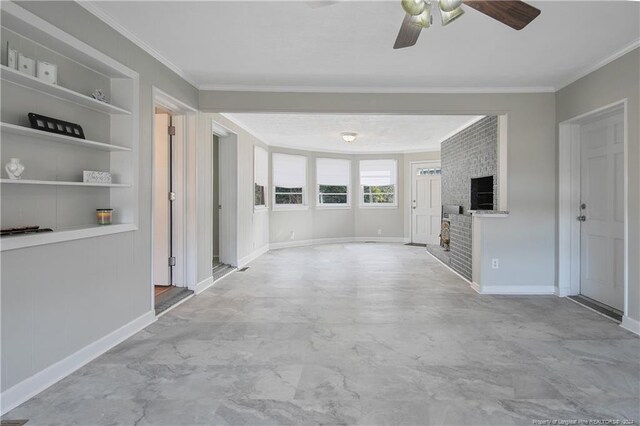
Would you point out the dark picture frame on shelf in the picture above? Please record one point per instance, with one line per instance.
(53, 125)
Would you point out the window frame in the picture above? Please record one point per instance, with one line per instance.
(370, 205)
(334, 206)
(265, 206)
(304, 205)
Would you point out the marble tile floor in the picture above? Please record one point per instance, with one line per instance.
(363, 334)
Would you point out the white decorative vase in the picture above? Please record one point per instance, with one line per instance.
(14, 168)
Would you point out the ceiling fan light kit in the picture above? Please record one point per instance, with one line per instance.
(449, 5)
(414, 7)
(425, 19)
(449, 17)
(513, 13)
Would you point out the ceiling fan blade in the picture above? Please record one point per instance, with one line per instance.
(516, 14)
(409, 33)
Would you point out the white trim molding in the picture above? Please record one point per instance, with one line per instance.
(569, 200)
(520, 290)
(340, 240)
(631, 325)
(601, 63)
(203, 285)
(40, 381)
(253, 256)
(374, 89)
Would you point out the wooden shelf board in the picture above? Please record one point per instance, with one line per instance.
(14, 242)
(16, 77)
(54, 137)
(63, 183)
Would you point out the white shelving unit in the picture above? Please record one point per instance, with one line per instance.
(35, 135)
(16, 77)
(46, 195)
(63, 183)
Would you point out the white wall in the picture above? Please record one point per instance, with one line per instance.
(525, 241)
(253, 226)
(616, 81)
(75, 295)
(321, 223)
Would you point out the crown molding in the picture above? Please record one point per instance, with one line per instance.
(110, 21)
(601, 63)
(375, 90)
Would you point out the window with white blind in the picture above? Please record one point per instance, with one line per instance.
(333, 180)
(378, 183)
(260, 177)
(289, 180)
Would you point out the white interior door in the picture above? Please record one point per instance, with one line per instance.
(602, 198)
(161, 203)
(425, 203)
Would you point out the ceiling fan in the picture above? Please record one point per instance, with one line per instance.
(514, 13)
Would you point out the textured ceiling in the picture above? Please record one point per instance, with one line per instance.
(347, 46)
(376, 133)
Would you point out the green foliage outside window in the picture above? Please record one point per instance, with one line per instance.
(379, 194)
(258, 195)
(288, 195)
(330, 194)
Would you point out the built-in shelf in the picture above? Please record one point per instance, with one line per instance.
(17, 77)
(63, 183)
(39, 135)
(14, 242)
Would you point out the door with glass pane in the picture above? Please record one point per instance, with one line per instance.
(425, 203)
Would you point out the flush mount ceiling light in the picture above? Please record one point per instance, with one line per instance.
(514, 13)
(349, 137)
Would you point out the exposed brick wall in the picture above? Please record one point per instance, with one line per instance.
(460, 245)
(469, 154)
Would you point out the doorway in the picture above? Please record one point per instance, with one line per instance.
(215, 200)
(593, 211)
(172, 145)
(602, 210)
(163, 197)
(425, 203)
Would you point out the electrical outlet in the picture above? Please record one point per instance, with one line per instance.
(292, 235)
(379, 231)
(495, 263)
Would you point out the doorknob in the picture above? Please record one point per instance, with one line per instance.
(582, 218)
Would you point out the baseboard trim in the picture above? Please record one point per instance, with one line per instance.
(476, 287)
(313, 242)
(28, 388)
(253, 256)
(339, 240)
(520, 290)
(383, 239)
(630, 324)
(203, 285)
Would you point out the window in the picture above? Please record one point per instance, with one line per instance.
(429, 171)
(260, 173)
(378, 183)
(289, 180)
(333, 178)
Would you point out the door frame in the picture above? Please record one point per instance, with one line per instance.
(229, 225)
(184, 143)
(569, 200)
(436, 163)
